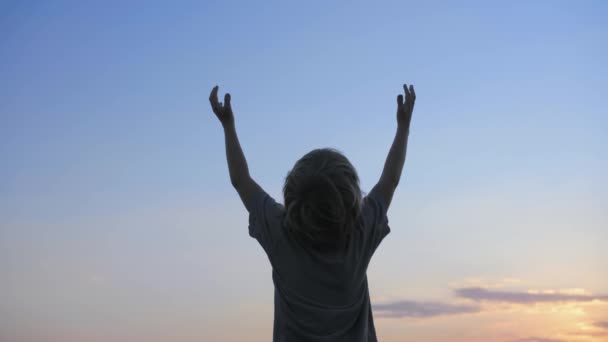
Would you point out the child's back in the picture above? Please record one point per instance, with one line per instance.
(320, 296)
(321, 241)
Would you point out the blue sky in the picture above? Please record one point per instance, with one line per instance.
(114, 179)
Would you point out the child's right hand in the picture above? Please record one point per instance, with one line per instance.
(404, 110)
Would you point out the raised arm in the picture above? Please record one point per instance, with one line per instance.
(237, 164)
(385, 188)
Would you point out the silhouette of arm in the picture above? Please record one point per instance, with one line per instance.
(237, 164)
(391, 174)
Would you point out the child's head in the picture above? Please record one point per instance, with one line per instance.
(322, 199)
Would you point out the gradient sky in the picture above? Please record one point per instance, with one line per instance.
(118, 221)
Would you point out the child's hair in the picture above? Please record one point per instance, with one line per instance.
(322, 199)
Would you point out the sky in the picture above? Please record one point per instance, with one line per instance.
(118, 221)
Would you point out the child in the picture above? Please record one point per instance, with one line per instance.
(321, 241)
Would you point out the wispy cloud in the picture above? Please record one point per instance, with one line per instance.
(603, 325)
(409, 308)
(595, 329)
(521, 297)
(485, 282)
(537, 339)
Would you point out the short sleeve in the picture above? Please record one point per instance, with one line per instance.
(374, 209)
(265, 219)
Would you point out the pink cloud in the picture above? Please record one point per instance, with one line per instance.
(521, 297)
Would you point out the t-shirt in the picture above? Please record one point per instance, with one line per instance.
(317, 296)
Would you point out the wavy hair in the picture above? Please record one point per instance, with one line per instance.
(322, 199)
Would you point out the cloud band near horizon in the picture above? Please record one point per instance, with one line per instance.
(520, 297)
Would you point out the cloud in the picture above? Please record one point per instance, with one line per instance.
(409, 308)
(589, 334)
(538, 339)
(485, 282)
(595, 329)
(603, 325)
(520, 297)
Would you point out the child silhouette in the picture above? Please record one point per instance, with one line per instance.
(321, 240)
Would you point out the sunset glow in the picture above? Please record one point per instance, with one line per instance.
(118, 221)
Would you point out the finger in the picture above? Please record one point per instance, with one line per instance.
(412, 92)
(213, 99)
(213, 95)
(399, 101)
(214, 107)
(227, 101)
(407, 93)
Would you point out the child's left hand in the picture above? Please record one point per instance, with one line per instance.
(222, 111)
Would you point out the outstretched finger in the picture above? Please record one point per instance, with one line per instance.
(399, 101)
(227, 104)
(213, 98)
(407, 93)
(213, 95)
(412, 92)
